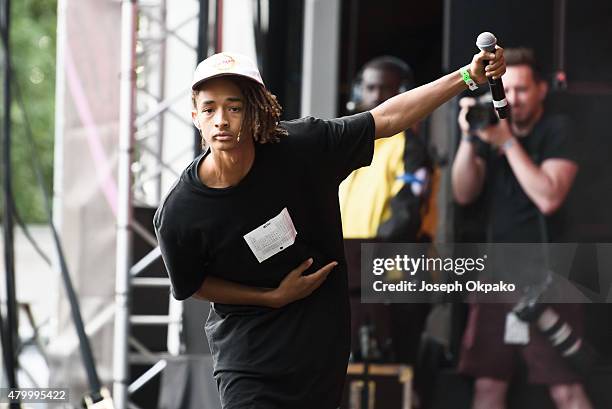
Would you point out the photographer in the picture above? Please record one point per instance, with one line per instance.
(524, 168)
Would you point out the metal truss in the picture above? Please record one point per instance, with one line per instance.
(145, 108)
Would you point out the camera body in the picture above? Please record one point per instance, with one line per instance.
(482, 114)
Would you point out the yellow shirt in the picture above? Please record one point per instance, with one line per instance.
(365, 195)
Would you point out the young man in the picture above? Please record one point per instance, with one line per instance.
(253, 225)
(525, 169)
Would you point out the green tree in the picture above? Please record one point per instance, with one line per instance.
(32, 42)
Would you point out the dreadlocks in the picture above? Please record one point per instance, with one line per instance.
(262, 111)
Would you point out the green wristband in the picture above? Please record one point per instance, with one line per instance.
(465, 76)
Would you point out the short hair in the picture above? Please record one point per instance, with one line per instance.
(262, 110)
(392, 64)
(523, 56)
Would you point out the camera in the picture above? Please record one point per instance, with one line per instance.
(482, 114)
(580, 355)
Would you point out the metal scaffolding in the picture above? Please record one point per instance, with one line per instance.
(150, 32)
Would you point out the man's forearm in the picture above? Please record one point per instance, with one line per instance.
(406, 109)
(467, 177)
(545, 192)
(226, 292)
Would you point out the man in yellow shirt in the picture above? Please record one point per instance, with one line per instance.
(384, 202)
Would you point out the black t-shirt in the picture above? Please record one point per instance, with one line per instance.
(299, 352)
(512, 216)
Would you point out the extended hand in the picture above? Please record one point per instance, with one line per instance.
(295, 286)
(495, 69)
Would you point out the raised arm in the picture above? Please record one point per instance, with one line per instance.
(469, 169)
(406, 109)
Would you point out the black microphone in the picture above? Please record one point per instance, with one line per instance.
(486, 42)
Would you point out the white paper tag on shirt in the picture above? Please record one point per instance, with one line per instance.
(272, 237)
(517, 330)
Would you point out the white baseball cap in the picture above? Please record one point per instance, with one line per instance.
(222, 64)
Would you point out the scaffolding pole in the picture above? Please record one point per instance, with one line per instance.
(143, 106)
(124, 205)
(9, 322)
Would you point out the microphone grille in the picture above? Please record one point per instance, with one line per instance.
(486, 41)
